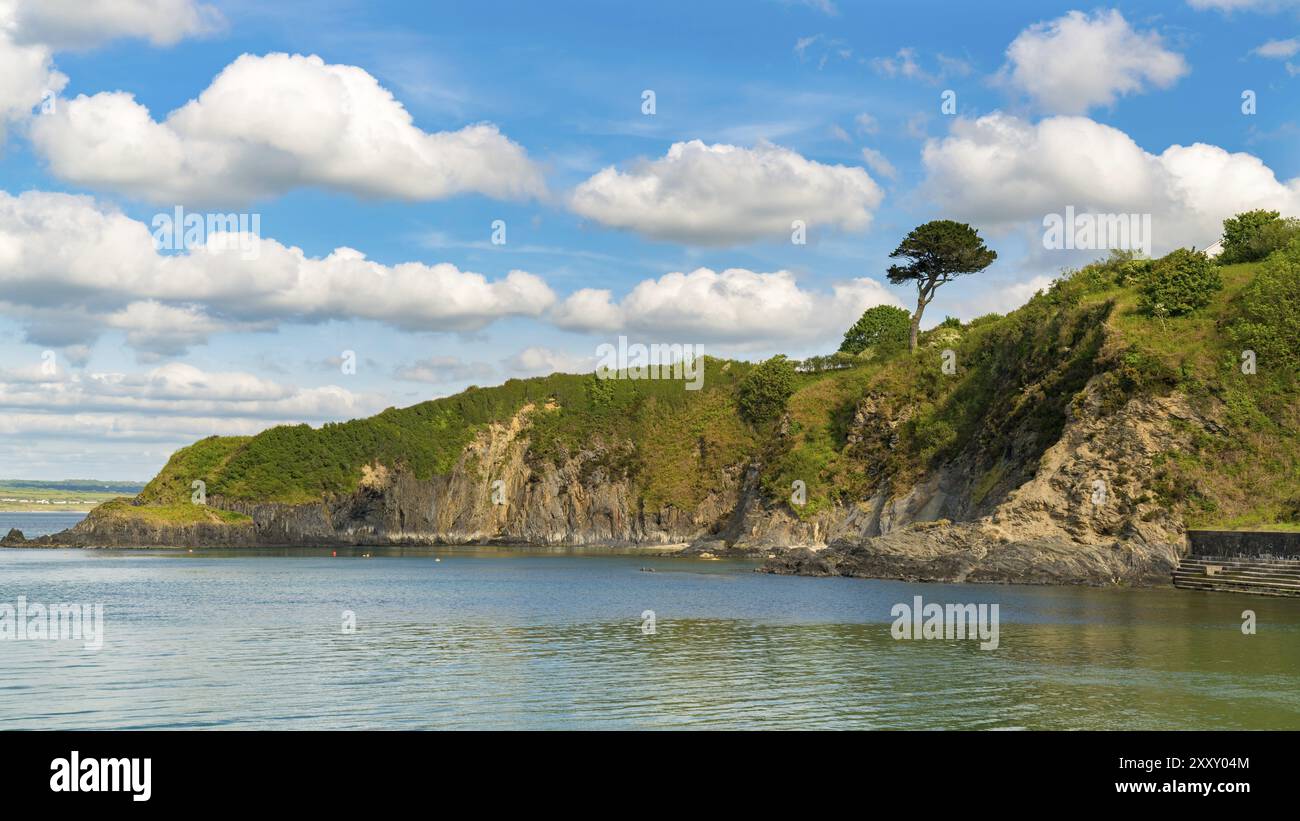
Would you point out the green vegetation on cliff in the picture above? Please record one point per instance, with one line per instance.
(640, 422)
(991, 394)
(1016, 376)
(174, 513)
(1012, 378)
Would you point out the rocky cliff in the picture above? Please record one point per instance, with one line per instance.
(1073, 443)
(1055, 527)
(493, 494)
(1081, 517)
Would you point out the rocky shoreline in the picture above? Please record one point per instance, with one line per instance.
(921, 552)
(943, 553)
(959, 554)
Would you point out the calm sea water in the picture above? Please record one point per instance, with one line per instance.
(38, 524)
(510, 639)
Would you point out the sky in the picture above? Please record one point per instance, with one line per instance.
(407, 199)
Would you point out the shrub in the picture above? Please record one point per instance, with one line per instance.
(981, 321)
(1270, 238)
(763, 392)
(1253, 235)
(600, 392)
(1290, 513)
(1091, 278)
(1121, 267)
(1132, 270)
(1270, 311)
(882, 325)
(1179, 283)
(931, 435)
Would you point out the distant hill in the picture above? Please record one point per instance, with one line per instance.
(66, 494)
(83, 485)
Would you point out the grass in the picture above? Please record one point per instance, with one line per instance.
(1006, 400)
(1246, 473)
(821, 411)
(182, 513)
(679, 439)
(1276, 527)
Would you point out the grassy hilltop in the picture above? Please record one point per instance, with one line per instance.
(1015, 380)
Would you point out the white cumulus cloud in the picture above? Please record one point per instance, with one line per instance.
(735, 306)
(27, 78)
(76, 24)
(270, 124)
(164, 330)
(439, 370)
(540, 361)
(31, 31)
(115, 424)
(1001, 171)
(179, 389)
(879, 163)
(725, 195)
(70, 268)
(1278, 49)
(1077, 62)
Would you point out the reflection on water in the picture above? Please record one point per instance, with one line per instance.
(501, 638)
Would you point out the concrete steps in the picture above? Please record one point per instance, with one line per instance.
(1263, 576)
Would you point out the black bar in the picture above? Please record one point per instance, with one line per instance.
(211, 770)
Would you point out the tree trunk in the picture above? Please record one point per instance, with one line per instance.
(916, 321)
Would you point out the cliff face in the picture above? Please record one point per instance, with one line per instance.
(1081, 517)
(1071, 443)
(1056, 526)
(494, 493)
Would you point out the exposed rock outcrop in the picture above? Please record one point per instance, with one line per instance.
(1066, 515)
(1078, 519)
(492, 495)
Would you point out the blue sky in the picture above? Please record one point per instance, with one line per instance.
(830, 110)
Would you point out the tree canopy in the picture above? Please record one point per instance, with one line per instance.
(937, 252)
(881, 325)
(1179, 283)
(764, 391)
(1253, 235)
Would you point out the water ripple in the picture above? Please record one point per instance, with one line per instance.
(519, 641)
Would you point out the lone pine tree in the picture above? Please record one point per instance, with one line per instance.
(938, 252)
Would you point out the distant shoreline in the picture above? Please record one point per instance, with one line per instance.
(61, 495)
(671, 551)
(82, 508)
